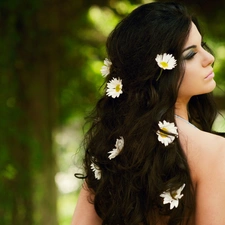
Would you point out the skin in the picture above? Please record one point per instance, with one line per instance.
(84, 213)
(205, 152)
(196, 80)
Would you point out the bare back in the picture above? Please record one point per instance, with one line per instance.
(205, 153)
(206, 157)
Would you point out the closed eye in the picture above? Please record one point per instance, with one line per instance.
(190, 55)
(192, 50)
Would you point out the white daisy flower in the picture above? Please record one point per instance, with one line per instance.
(116, 151)
(114, 87)
(166, 61)
(96, 171)
(167, 127)
(172, 197)
(105, 70)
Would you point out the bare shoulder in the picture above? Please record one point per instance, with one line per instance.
(208, 150)
(199, 142)
(209, 167)
(202, 149)
(206, 157)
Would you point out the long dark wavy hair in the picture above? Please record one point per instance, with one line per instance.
(128, 192)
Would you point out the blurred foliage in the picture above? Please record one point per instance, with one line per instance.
(51, 55)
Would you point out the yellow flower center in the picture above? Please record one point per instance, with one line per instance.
(163, 135)
(117, 88)
(164, 64)
(174, 194)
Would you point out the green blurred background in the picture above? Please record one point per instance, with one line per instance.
(51, 53)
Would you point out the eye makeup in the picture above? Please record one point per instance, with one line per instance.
(191, 51)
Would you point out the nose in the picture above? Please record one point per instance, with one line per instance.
(208, 58)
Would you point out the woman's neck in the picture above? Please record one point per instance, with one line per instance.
(181, 109)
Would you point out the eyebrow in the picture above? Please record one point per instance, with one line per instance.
(192, 46)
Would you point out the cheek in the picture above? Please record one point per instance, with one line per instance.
(188, 80)
(188, 85)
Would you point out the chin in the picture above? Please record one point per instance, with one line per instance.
(211, 87)
(208, 89)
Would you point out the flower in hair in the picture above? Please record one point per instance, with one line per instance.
(96, 171)
(105, 70)
(114, 87)
(163, 134)
(165, 62)
(172, 197)
(118, 148)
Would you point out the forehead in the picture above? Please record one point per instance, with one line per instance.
(194, 36)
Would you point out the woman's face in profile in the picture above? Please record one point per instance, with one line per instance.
(198, 77)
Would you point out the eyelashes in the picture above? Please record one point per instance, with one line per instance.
(193, 51)
(204, 45)
(190, 55)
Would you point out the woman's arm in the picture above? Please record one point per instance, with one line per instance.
(84, 213)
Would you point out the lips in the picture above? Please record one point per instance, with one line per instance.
(210, 75)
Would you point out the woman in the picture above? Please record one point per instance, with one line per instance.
(145, 162)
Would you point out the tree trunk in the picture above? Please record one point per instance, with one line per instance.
(33, 56)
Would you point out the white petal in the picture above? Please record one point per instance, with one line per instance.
(119, 143)
(179, 195)
(114, 88)
(173, 204)
(96, 170)
(113, 153)
(105, 70)
(165, 138)
(166, 58)
(98, 174)
(173, 201)
(116, 151)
